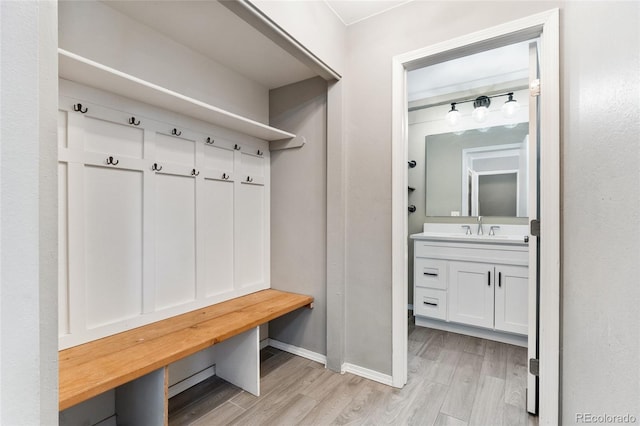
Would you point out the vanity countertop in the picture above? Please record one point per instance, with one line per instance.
(505, 234)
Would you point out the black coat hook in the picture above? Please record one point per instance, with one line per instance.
(225, 176)
(175, 132)
(412, 164)
(209, 141)
(237, 147)
(133, 121)
(110, 161)
(194, 172)
(78, 108)
(260, 152)
(249, 179)
(156, 168)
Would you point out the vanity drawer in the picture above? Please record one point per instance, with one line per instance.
(430, 273)
(430, 303)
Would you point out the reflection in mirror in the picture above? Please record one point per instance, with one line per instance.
(477, 173)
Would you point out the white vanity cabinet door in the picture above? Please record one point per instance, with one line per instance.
(471, 293)
(511, 291)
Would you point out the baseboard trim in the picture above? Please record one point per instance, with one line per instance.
(304, 353)
(512, 339)
(191, 381)
(376, 376)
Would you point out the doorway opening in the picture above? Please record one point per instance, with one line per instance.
(543, 247)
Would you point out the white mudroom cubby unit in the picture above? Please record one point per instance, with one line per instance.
(160, 213)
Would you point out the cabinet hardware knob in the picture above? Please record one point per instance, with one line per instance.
(209, 141)
(412, 208)
(133, 121)
(78, 108)
(175, 132)
(112, 162)
(194, 172)
(155, 167)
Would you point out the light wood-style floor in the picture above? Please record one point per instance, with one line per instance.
(453, 380)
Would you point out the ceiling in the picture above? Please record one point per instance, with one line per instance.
(497, 68)
(217, 33)
(352, 11)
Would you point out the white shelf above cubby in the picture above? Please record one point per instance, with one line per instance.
(85, 71)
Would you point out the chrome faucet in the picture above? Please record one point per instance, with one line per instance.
(480, 230)
(492, 230)
(468, 228)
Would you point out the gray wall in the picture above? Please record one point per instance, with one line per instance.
(298, 211)
(600, 50)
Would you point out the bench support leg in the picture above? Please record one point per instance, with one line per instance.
(238, 361)
(143, 401)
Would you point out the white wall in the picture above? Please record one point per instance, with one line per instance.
(101, 33)
(313, 25)
(28, 224)
(600, 48)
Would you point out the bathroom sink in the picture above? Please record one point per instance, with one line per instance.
(506, 234)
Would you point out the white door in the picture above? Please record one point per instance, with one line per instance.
(471, 293)
(511, 290)
(533, 327)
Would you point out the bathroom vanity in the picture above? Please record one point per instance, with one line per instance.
(472, 284)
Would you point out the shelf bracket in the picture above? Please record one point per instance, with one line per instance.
(296, 142)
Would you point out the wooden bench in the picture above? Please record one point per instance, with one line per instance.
(92, 368)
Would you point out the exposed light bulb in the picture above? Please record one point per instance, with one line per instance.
(510, 107)
(453, 116)
(481, 108)
(480, 114)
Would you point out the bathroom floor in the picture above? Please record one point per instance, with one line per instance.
(453, 380)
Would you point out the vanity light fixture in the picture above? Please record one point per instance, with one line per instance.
(453, 116)
(510, 107)
(481, 109)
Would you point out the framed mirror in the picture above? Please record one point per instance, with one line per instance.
(479, 172)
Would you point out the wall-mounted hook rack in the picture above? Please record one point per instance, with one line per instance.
(412, 163)
(175, 132)
(209, 141)
(78, 108)
(112, 162)
(155, 167)
(133, 121)
(194, 172)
